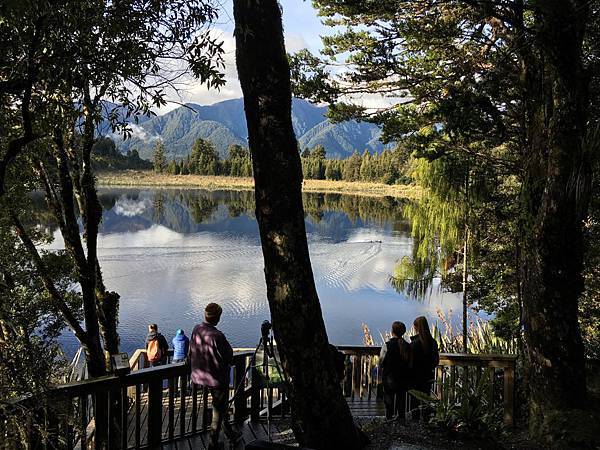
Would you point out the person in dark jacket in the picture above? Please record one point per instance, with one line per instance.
(424, 356)
(394, 362)
(181, 345)
(210, 357)
(156, 346)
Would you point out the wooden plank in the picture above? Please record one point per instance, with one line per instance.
(194, 407)
(84, 421)
(182, 402)
(254, 396)
(509, 396)
(138, 426)
(239, 403)
(124, 417)
(492, 378)
(205, 424)
(171, 429)
(452, 384)
(154, 413)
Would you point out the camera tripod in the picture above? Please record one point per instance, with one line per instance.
(266, 343)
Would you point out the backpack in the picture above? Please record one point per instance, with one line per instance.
(153, 352)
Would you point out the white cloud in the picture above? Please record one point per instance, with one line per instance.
(131, 208)
(295, 42)
(192, 91)
(142, 134)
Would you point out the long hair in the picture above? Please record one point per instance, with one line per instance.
(398, 329)
(422, 329)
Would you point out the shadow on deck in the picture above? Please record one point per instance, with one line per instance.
(278, 430)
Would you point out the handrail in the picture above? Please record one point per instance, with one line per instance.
(166, 386)
(360, 379)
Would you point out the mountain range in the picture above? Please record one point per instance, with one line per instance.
(224, 123)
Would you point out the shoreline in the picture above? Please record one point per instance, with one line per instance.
(148, 179)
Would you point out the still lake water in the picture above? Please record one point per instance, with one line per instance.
(169, 252)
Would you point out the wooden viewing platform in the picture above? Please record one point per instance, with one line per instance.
(157, 407)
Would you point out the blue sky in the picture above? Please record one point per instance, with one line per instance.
(302, 29)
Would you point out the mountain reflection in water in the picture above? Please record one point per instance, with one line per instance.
(169, 252)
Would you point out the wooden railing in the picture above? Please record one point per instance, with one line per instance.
(141, 409)
(150, 406)
(363, 377)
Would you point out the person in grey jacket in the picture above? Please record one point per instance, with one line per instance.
(210, 357)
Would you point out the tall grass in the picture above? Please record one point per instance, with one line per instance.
(480, 336)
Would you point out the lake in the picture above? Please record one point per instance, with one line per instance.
(169, 252)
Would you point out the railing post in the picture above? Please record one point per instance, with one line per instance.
(154, 413)
(356, 376)
(138, 411)
(205, 423)
(254, 397)
(239, 402)
(101, 418)
(172, 385)
(115, 418)
(347, 383)
(124, 417)
(182, 405)
(509, 395)
(492, 380)
(194, 417)
(439, 381)
(83, 405)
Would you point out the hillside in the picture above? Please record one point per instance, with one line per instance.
(224, 123)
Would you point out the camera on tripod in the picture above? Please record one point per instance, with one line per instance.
(265, 329)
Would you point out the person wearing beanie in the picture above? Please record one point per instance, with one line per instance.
(210, 357)
(181, 344)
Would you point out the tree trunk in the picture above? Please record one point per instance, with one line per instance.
(555, 201)
(316, 398)
(465, 299)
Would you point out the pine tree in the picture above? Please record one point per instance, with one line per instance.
(160, 160)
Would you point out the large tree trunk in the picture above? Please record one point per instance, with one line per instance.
(263, 69)
(555, 198)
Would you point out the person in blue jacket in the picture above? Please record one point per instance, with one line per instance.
(181, 344)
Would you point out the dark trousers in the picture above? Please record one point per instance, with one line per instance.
(220, 404)
(394, 399)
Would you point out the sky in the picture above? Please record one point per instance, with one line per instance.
(302, 29)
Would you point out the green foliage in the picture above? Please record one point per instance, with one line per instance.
(204, 159)
(160, 160)
(589, 306)
(457, 102)
(106, 156)
(30, 323)
(464, 408)
(389, 167)
(456, 71)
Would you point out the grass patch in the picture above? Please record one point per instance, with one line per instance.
(140, 178)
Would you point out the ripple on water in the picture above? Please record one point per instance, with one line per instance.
(168, 277)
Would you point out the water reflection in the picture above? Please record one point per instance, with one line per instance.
(169, 252)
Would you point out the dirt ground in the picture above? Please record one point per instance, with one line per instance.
(409, 435)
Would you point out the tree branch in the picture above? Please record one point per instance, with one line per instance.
(47, 280)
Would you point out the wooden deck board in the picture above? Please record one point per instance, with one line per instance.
(364, 407)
